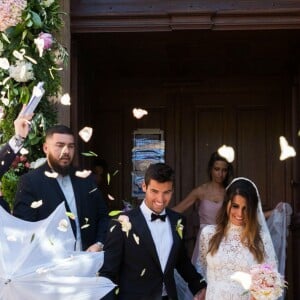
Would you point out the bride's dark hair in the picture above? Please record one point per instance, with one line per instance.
(251, 234)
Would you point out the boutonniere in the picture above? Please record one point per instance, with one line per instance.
(179, 228)
(125, 223)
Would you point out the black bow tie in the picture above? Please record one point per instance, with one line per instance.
(155, 217)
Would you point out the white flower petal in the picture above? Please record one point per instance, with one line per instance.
(51, 174)
(287, 151)
(4, 63)
(93, 190)
(143, 272)
(243, 278)
(70, 215)
(112, 228)
(36, 204)
(136, 238)
(110, 197)
(86, 133)
(65, 99)
(83, 174)
(11, 238)
(227, 152)
(38, 162)
(85, 226)
(63, 225)
(138, 113)
(24, 151)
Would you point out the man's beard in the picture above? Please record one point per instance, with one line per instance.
(62, 170)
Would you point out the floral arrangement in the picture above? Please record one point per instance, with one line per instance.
(29, 53)
(263, 282)
(266, 282)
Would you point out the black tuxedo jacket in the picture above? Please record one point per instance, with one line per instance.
(35, 185)
(135, 267)
(7, 156)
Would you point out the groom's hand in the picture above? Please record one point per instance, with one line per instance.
(200, 295)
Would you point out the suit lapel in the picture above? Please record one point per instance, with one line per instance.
(176, 239)
(142, 230)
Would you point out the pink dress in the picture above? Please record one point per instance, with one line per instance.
(207, 211)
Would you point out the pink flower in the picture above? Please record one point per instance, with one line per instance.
(47, 38)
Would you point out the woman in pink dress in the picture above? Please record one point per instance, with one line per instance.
(208, 196)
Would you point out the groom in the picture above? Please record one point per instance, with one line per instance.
(145, 245)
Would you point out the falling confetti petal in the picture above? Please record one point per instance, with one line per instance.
(286, 150)
(11, 238)
(90, 153)
(138, 113)
(114, 213)
(36, 204)
(227, 152)
(63, 225)
(65, 99)
(112, 228)
(83, 174)
(38, 162)
(24, 151)
(70, 215)
(136, 238)
(243, 278)
(110, 197)
(93, 190)
(51, 174)
(143, 272)
(85, 226)
(86, 133)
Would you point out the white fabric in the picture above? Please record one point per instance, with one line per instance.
(278, 224)
(37, 261)
(231, 257)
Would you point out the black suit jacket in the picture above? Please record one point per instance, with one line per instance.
(7, 156)
(35, 185)
(135, 267)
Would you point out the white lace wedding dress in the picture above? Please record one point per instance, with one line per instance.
(231, 257)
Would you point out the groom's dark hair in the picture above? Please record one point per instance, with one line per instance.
(159, 172)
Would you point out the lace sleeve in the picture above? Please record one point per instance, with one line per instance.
(205, 236)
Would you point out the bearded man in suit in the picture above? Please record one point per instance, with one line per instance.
(58, 181)
(145, 245)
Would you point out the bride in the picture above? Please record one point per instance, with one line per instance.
(239, 240)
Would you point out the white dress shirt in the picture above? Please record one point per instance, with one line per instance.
(67, 188)
(162, 236)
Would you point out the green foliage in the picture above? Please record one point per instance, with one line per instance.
(18, 44)
(9, 186)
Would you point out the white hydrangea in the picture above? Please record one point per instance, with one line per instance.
(22, 71)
